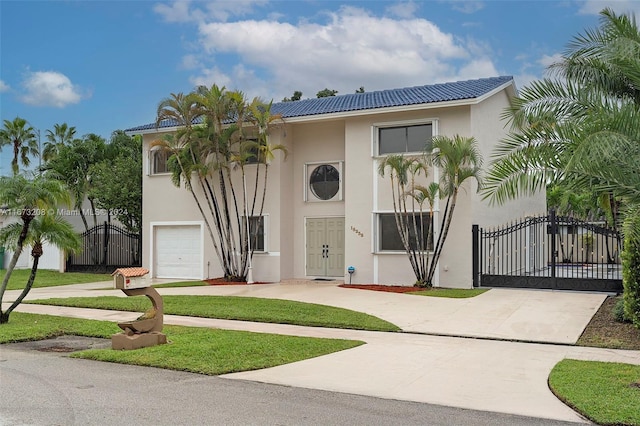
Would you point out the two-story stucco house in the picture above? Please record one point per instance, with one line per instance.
(327, 205)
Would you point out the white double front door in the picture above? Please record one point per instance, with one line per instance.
(325, 247)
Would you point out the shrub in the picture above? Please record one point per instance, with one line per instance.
(631, 280)
(618, 311)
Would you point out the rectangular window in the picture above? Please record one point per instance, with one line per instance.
(158, 163)
(255, 155)
(389, 238)
(401, 139)
(256, 232)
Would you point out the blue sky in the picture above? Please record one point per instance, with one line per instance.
(105, 65)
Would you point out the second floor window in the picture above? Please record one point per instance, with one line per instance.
(158, 161)
(401, 139)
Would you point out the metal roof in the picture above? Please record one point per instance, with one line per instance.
(433, 93)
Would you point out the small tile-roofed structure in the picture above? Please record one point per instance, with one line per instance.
(130, 278)
(433, 93)
(131, 272)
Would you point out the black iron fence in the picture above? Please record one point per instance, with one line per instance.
(105, 248)
(551, 252)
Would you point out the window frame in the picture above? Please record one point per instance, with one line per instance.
(153, 152)
(255, 158)
(308, 194)
(379, 249)
(376, 127)
(265, 240)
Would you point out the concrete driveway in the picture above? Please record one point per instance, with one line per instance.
(510, 314)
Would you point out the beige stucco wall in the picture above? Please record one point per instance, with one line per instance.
(318, 142)
(349, 140)
(368, 193)
(164, 203)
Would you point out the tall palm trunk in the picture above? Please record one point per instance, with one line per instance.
(4, 316)
(442, 236)
(36, 253)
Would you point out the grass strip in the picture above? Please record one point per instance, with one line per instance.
(197, 350)
(48, 278)
(24, 327)
(237, 308)
(606, 393)
(453, 293)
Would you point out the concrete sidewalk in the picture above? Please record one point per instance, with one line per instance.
(502, 376)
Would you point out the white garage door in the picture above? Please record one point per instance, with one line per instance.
(178, 252)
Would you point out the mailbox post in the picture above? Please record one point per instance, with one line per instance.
(147, 329)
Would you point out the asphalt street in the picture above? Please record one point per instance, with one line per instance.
(49, 388)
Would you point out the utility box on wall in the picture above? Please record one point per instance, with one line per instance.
(129, 278)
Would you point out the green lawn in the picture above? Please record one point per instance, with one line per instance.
(198, 350)
(606, 393)
(48, 278)
(237, 308)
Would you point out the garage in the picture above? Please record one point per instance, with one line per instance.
(177, 251)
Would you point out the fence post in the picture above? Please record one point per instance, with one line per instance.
(475, 254)
(105, 247)
(553, 232)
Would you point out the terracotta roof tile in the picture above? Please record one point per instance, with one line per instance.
(131, 272)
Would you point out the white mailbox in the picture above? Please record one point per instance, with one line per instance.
(127, 278)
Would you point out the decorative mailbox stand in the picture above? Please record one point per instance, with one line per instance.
(147, 329)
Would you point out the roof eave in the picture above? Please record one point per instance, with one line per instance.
(153, 130)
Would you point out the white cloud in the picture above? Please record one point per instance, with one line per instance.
(338, 54)
(525, 79)
(210, 76)
(4, 86)
(190, 62)
(593, 7)
(547, 60)
(49, 88)
(178, 11)
(218, 10)
(403, 9)
(482, 67)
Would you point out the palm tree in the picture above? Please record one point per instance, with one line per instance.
(458, 160)
(560, 127)
(404, 173)
(22, 139)
(582, 130)
(264, 122)
(61, 135)
(208, 150)
(28, 199)
(46, 228)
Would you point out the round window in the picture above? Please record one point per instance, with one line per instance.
(325, 182)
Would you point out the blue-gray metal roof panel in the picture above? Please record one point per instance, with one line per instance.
(443, 92)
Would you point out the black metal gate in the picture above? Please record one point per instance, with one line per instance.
(548, 252)
(105, 248)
